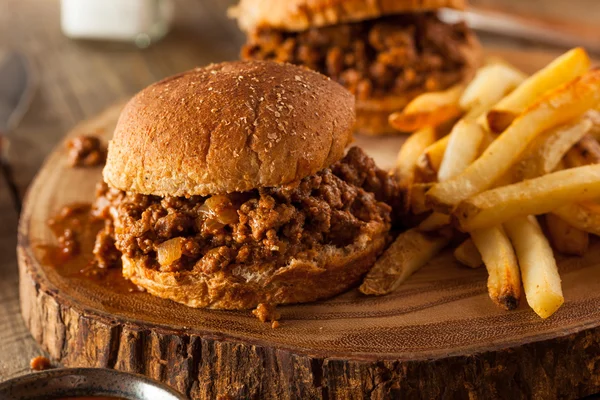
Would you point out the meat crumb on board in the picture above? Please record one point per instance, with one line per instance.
(267, 312)
(86, 151)
(40, 363)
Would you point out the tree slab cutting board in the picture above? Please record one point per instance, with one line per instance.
(438, 336)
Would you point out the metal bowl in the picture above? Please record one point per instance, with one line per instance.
(67, 382)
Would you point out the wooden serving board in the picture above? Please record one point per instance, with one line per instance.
(438, 336)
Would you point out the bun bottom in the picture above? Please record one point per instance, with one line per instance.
(334, 271)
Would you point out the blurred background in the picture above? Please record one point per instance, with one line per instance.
(78, 78)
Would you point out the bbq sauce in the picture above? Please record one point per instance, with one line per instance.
(76, 228)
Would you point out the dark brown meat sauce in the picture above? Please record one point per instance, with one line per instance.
(386, 55)
(269, 225)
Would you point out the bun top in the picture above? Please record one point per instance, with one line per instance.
(299, 15)
(229, 127)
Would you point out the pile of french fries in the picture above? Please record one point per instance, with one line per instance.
(506, 166)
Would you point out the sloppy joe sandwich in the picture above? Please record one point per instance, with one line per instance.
(230, 185)
(385, 52)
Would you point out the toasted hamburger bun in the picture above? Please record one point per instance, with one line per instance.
(229, 127)
(299, 15)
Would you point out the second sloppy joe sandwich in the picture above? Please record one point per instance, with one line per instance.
(386, 52)
(228, 186)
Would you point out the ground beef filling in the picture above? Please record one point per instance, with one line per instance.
(388, 55)
(269, 225)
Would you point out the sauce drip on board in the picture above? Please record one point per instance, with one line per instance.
(75, 229)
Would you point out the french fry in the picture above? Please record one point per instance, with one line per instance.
(583, 216)
(411, 251)
(560, 71)
(467, 254)
(467, 137)
(535, 196)
(417, 197)
(584, 152)
(429, 109)
(539, 273)
(407, 160)
(490, 84)
(434, 222)
(504, 281)
(558, 107)
(565, 238)
(429, 162)
(462, 149)
(545, 153)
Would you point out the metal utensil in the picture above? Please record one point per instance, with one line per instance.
(69, 382)
(16, 92)
(560, 33)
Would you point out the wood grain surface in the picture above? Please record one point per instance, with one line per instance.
(439, 335)
(79, 79)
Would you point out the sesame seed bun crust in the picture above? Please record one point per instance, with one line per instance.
(229, 127)
(299, 15)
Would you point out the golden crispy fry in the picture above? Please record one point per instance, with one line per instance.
(431, 101)
(428, 109)
(407, 159)
(584, 152)
(539, 273)
(411, 251)
(466, 141)
(546, 151)
(504, 281)
(417, 197)
(462, 149)
(412, 122)
(434, 222)
(583, 216)
(560, 71)
(429, 162)
(565, 238)
(491, 83)
(467, 254)
(534, 196)
(558, 107)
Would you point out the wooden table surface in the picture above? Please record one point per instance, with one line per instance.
(77, 80)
